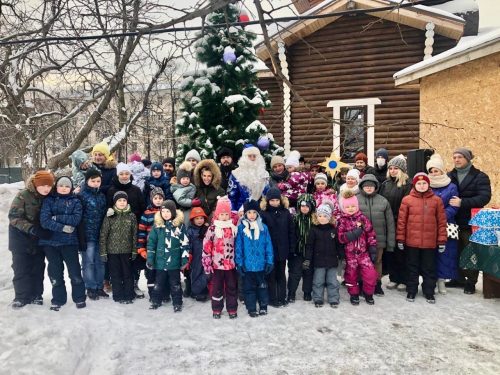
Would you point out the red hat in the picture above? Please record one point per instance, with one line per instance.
(42, 178)
(361, 156)
(419, 177)
(197, 211)
(223, 206)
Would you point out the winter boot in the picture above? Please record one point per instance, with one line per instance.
(441, 286)
(216, 315)
(430, 299)
(369, 299)
(55, 307)
(201, 298)
(401, 288)
(16, 305)
(291, 298)
(410, 297)
(392, 285)
(355, 299)
(262, 311)
(139, 294)
(92, 294)
(233, 315)
(469, 289)
(177, 308)
(378, 289)
(334, 305)
(107, 287)
(318, 303)
(81, 305)
(38, 300)
(102, 293)
(253, 314)
(307, 297)
(154, 305)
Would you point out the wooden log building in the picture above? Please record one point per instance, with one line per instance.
(342, 67)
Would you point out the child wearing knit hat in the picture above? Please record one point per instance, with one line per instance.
(297, 181)
(324, 193)
(28, 259)
(193, 157)
(157, 178)
(254, 258)
(184, 190)
(196, 234)
(218, 260)
(357, 234)
(421, 230)
(323, 252)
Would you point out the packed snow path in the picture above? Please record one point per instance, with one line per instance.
(458, 335)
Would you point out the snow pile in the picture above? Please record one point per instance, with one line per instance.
(457, 335)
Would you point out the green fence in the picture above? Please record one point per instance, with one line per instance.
(10, 175)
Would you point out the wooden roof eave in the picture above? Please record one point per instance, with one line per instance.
(413, 17)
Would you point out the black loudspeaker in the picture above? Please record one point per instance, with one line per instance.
(417, 159)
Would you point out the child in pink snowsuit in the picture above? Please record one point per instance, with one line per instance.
(324, 193)
(356, 232)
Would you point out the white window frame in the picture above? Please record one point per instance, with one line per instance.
(370, 103)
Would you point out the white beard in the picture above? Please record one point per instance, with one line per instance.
(252, 175)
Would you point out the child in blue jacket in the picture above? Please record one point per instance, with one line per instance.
(61, 213)
(254, 258)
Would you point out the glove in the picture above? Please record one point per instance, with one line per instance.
(372, 250)
(196, 202)
(68, 229)
(104, 258)
(241, 271)
(441, 248)
(110, 212)
(306, 264)
(39, 232)
(149, 266)
(401, 246)
(268, 268)
(133, 256)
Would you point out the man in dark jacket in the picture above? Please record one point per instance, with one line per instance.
(381, 159)
(226, 165)
(474, 191)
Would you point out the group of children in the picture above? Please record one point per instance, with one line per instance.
(216, 251)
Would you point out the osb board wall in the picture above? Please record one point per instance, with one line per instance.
(466, 97)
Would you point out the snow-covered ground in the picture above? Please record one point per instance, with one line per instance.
(458, 335)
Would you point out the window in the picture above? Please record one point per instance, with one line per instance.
(353, 127)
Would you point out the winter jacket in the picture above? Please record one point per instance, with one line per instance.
(303, 223)
(281, 228)
(367, 170)
(474, 191)
(330, 195)
(252, 254)
(422, 221)
(446, 193)
(162, 182)
(323, 248)
(146, 223)
(94, 209)
(294, 186)
(140, 174)
(135, 197)
(199, 280)
(57, 211)
(24, 215)
(119, 233)
(168, 244)
(208, 194)
(108, 171)
(218, 253)
(239, 194)
(378, 210)
(183, 195)
(394, 194)
(78, 175)
(348, 224)
(380, 173)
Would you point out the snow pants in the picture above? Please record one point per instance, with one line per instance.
(174, 280)
(57, 257)
(328, 277)
(295, 273)
(421, 262)
(396, 262)
(122, 279)
(225, 283)
(255, 288)
(151, 279)
(29, 268)
(360, 265)
(276, 281)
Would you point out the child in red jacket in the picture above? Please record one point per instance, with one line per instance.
(421, 229)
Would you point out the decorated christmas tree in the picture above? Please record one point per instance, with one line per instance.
(221, 102)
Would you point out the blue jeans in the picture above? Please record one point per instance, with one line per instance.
(92, 266)
(328, 276)
(57, 256)
(255, 289)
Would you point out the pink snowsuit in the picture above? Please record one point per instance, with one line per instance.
(294, 186)
(356, 253)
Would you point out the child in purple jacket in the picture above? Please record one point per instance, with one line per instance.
(356, 232)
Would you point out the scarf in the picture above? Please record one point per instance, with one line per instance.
(462, 172)
(255, 225)
(221, 225)
(439, 181)
(303, 223)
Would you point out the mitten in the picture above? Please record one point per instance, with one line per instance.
(372, 250)
(143, 252)
(441, 248)
(401, 246)
(39, 232)
(196, 202)
(268, 269)
(354, 234)
(68, 229)
(110, 212)
(104, 258)
(306, 264)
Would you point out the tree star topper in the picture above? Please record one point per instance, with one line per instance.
(333, 164)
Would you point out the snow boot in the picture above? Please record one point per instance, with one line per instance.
(81, 305)
(441, 286)
(263, 311)
(233, 315)
(378, 289)
(253, 314)
(410, 297)
(318, 303)
(291, 298)
(126, 301)
(177, 308)
(401, 288)
(38, 300)
(139, 294)
(102, 293)
(307, 297)
(355, 299)
(201, 298)
(469, 289)
(369, 299)
(154, 305)
(16, 305)
(216, 315)
(392, 285)
(429, 298)
(92, 294)
(334, 305)
(55, 307)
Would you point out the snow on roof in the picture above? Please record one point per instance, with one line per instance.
(458, 6)
(467, 44)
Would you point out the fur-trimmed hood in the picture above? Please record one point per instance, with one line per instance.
(284, 202)
(178, 221)
(212, 166)
(108, 164)
(30, 184)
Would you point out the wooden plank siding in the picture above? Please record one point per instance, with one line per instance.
(341, 61)
(273, 117)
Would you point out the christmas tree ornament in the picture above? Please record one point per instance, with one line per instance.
(263, 143)
(332, 164)
(262, 111)
(243, 17)
(229, 56)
